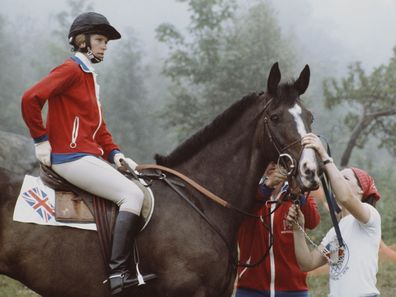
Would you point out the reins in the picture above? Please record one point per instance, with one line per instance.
(196, 186)
(213, 197)
(161, 176)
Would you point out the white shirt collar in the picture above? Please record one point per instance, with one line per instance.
(87, 63)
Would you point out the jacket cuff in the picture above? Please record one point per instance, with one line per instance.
(41, 138)
(112, 154)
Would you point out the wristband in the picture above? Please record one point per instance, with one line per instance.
(327, 161)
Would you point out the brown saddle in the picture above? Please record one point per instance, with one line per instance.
(73, 204)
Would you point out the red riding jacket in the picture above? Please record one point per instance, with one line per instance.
(74, 121)
(279, 271)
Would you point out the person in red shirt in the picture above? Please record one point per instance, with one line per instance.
(75, 141)
(278, 275)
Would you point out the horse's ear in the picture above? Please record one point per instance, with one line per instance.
(273, 80)
(302, 82)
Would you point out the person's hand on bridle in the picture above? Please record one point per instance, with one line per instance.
(311, 140)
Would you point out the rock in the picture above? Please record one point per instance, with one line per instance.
(17, 153)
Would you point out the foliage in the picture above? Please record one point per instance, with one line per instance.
(10, 287)
(123, 91)
(11, 79)
(21, 66)
(125, 101)
(369, 99)
(58, 47)
(224, 57)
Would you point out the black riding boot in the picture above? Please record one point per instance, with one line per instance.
(125, 230)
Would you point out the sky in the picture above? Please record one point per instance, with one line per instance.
(363, 29)
(341, 31)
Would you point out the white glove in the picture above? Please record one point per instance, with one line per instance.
(43, 152)
(129, 161)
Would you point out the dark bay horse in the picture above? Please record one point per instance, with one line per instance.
(228, 157)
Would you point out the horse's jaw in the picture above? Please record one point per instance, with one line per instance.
(308, 171)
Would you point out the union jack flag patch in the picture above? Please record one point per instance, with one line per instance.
(38, 200)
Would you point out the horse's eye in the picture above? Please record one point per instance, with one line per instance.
(274, 117)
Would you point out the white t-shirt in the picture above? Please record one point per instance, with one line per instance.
(355, 274)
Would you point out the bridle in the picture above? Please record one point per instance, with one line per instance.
(284, 158)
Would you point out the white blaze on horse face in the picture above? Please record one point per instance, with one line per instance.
(295, 111)
(307, 165)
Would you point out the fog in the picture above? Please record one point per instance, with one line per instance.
(328, 30)
(358, 30)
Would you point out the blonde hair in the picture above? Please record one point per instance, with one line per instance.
(79, 40)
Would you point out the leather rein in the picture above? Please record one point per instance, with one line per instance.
(161, 176)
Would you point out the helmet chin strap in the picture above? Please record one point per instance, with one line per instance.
(87, 50)
(94, 59)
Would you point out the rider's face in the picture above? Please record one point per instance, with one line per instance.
(99, 45)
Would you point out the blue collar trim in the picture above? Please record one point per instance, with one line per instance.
(82, 65)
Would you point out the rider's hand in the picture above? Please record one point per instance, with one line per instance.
(43, 152)
(310, 140)
(295, 215)
(120, 156)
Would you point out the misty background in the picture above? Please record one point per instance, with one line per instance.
(180, 63)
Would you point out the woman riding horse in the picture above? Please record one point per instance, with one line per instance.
(76, 142)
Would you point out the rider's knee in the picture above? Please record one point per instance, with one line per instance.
(132, 199)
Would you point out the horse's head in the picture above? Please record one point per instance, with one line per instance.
(286, 121)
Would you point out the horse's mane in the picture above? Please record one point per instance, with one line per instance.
(218, 126)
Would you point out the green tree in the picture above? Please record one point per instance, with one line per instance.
(370, 103)
(59, 47)
(125, 99)
(15, 73)
(224, 56)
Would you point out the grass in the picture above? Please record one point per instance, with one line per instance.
(13, 288)
(318, 284)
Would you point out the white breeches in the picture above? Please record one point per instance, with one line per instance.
(99, 178)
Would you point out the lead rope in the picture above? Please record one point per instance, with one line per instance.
(331, 259)
(325, 252)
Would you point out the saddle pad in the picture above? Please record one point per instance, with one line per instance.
(35, 204)
(70, 208)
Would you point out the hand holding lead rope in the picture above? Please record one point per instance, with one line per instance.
(296, 218)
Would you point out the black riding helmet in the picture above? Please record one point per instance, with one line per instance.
(91, 23)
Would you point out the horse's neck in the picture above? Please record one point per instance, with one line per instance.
(230, 166)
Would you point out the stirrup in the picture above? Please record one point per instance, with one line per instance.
(120, 281)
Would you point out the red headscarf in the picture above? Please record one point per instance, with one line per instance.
(367, 184)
